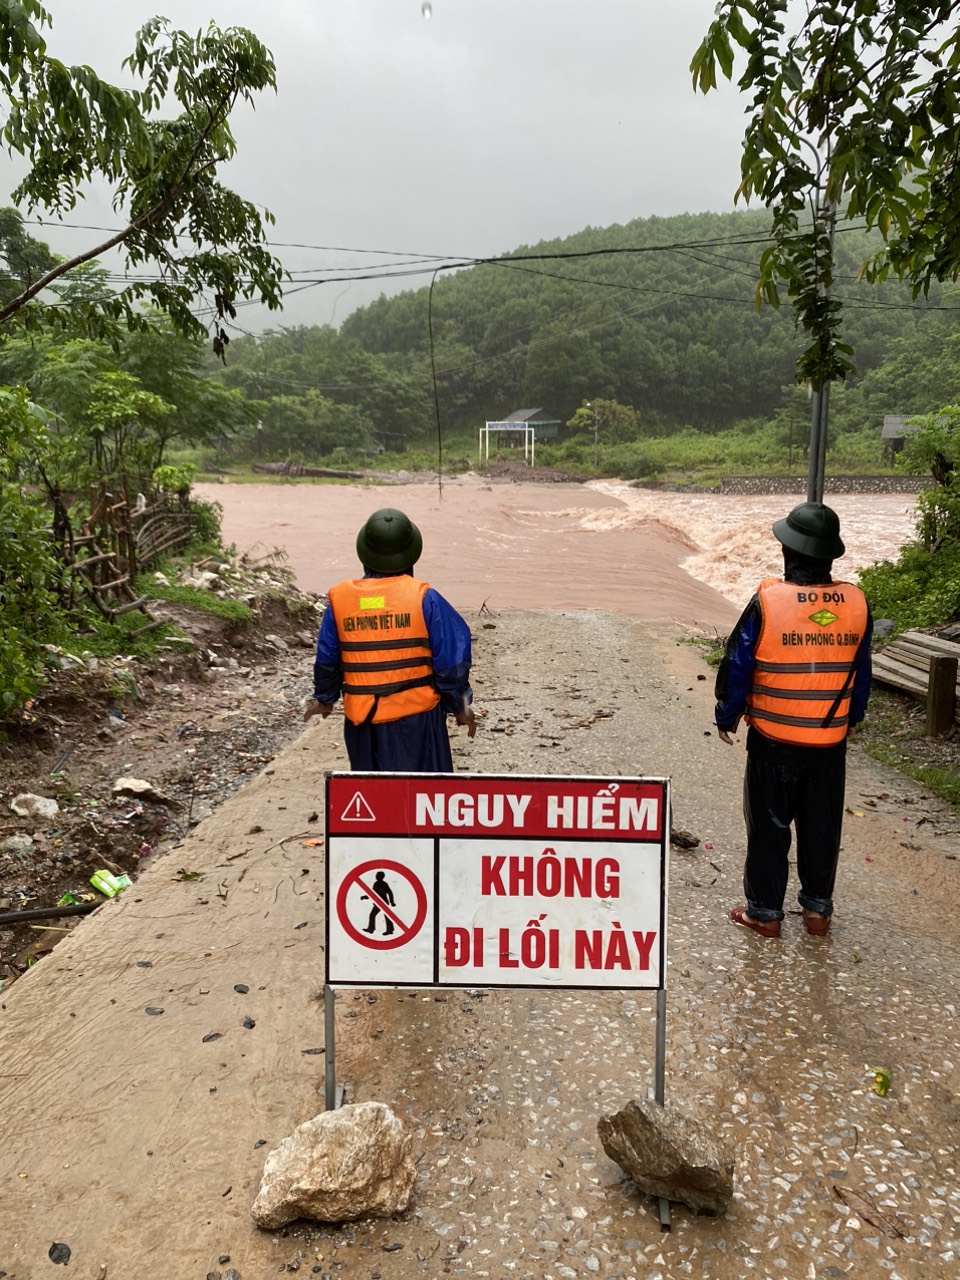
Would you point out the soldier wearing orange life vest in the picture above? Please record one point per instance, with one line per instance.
(796, 667)
(399, 654)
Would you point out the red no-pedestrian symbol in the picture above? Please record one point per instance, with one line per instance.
(371, 891)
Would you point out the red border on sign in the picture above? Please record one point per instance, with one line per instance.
(365, 940)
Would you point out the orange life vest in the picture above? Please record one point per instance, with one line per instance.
(384, 647)
(808, 644)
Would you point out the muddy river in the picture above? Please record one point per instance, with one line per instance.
(693, 559)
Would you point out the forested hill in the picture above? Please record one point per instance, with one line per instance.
(670, 327)
(658, 315)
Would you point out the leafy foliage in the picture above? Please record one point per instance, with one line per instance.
(918, 590)
(933, 448)
(29, 570)
(662, 319)
(24, 259)
(618, 423)
(316, 391)
(854, 112)
(117, 408)
(119, 382)
(923, 587)
(72, 127)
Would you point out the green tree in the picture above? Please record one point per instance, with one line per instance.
(23, 260)
(174, 367)
(390, 392)
(312, 426)
(29, 571)
(72, 127)
(107, 424)
(791, 423)
(854, 113)
(934, 449)
(609, 421)
(922, 588)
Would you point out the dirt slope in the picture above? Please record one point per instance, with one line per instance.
(136, 1098)
(196, 723)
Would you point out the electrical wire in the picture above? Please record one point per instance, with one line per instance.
(708, 252)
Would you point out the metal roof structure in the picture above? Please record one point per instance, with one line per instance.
(898, 425)
(535, 417)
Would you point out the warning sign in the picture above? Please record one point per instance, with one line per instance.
(367, 894)
(484, 881)
(380, 917)
(357, 810)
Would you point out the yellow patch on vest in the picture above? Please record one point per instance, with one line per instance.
(372, 602)
(823, 617)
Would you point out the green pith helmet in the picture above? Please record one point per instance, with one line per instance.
(813, 530)
(389, 542)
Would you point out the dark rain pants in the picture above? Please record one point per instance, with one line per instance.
(415, 744)
(787, 784)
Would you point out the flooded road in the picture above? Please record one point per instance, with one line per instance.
(193, 1003)
(689, 558)
(193, 1000)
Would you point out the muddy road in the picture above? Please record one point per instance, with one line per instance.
(139, 1106)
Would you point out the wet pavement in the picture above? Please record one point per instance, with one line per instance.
(773, 1043)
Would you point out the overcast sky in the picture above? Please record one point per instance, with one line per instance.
(488, 124)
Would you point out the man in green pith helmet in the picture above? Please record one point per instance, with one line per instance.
(797, 668)
(399, 653)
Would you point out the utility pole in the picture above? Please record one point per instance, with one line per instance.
(821, 397)
(596, 434)
(818, 443)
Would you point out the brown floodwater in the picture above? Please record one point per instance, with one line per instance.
(693, 559)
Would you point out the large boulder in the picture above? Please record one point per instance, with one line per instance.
(341, 1165)
(670, 1156)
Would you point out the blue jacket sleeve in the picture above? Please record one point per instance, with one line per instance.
(451, 643)
(735, 673)
(327, 667)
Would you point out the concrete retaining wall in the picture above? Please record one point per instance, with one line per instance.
(832, 484)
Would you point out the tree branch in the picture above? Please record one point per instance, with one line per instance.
(146, 220)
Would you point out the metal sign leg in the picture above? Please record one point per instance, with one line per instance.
(330, 1056)
(659, 1083)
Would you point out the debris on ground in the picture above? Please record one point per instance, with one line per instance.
(117, 763)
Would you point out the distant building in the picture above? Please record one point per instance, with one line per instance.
(524, 427)
(896, 428)
(545, 427)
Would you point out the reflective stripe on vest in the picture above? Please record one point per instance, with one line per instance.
(808, 644)
(384, 648)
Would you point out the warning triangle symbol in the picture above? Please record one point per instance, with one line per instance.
(357, 810)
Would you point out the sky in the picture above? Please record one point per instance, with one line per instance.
(455, 127)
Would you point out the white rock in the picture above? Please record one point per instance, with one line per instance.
(140, 789)
(202, 581)
(31, 806)
(339, 1166)
(20, 843)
